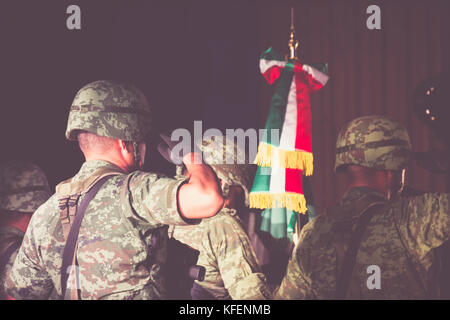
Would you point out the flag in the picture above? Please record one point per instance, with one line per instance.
(285, 153)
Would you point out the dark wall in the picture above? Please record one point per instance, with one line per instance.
(193, 59)
(371, 72)
(199, 60)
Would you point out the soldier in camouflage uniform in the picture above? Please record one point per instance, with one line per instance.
(393, 257)
(23, 188)
(121, 246)
(225, 251)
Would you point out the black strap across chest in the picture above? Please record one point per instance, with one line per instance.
(344, 277)
(72, 238)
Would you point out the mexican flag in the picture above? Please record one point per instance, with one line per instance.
(284, 153)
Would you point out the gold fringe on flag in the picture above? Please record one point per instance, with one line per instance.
(292, 159)
(291, 201)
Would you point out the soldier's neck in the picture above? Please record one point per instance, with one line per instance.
(114, 159)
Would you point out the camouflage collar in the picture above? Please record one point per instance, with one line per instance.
(89, 167)
(356, 193)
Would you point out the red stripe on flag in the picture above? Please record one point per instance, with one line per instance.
(272, 74)
(309, 80)
(293, 182)
(304, 120)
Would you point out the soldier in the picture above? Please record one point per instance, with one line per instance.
(374, 244)
(225, 251)
(119, 249)
(23, 188)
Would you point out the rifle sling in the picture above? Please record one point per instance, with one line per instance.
(344, 277)
(72, 238)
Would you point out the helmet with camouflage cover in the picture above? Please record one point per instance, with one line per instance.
(230, 163)
(23, 187)
(111, 109)
(373, 142)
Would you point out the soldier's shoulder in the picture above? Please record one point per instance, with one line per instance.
(423, 200)
(46, 216)
(317, 229)
(421, 204)
(323, 221)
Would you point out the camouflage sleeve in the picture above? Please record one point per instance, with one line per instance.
(28, 278)
(154, 198)
(423, 221)
(5, 272)
(190, 235)
(228, 249)
(296, 284)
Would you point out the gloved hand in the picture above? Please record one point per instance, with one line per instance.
(434, 160)
(165, 148)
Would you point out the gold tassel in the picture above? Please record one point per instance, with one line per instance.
(291, 201)
(292, 159)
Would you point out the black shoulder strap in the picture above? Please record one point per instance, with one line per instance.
(8, 253)
(344, 277)
(72, 238)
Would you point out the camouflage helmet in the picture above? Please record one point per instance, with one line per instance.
(373, 142)
(110, 109)
(23, 187)
(230, 163)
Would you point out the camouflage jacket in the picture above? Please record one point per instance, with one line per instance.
(232, 270)
(113, 245)
(398, 240)
(8, 236)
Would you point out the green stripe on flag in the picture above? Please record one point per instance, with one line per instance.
(278, 222)
(262, 179)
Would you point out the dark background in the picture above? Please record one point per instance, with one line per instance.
(198, 60)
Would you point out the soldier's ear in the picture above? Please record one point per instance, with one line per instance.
(125, 149)
(125, 146)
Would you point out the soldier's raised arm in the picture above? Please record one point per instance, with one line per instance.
(423, 221)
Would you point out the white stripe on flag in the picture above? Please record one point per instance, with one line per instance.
(265, 65)
(277, 178)
(289, 129)
(316, 74)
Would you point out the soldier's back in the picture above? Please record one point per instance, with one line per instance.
(118, 257)
(384, 268)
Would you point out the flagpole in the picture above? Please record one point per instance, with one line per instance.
(293, 46)
(293, 42)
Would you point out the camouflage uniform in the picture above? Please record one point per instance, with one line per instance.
(23, 188)
(116, 257)
(232, 270)
(8, 236)
(399, 238)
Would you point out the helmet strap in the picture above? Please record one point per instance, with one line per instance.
(402, 183)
